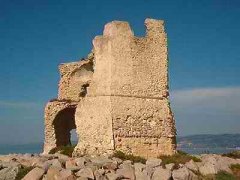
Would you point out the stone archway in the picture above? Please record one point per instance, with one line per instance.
(63, 123)
(59, 121)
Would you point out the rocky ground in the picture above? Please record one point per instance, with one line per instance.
(62, 167)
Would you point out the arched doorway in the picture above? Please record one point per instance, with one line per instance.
(64, 123)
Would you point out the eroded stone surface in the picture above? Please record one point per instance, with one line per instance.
(117, 98)
(35, 174)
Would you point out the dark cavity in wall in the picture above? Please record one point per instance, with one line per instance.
(83, 91)
(64, 123)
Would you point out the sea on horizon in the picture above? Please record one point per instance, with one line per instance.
(38, 147)
(21, 149)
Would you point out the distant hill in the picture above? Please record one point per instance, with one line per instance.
(209, 141)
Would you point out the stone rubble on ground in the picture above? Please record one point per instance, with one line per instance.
(212, 164)
(183, 173)
(61, 167)
(35, 174)
(161, 172)
(192, 166)
(8, 173)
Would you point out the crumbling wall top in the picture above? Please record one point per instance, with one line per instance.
(75, 78)
(132, 66)
(154, 27)
(117, 28)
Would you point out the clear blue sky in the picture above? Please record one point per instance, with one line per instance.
(204, 51)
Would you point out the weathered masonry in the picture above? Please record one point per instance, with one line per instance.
(117, 98)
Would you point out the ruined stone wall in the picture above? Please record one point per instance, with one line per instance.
(132, 66)
(75, 78)
(117, 99)
(127, 106)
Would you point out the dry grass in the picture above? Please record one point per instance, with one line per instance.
(22, 172)
(236, 170)
(179, 158)
(233, 154)
(123, 156)
(66, 150)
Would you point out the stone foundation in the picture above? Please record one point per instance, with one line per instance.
(130, 124)
(145, 146)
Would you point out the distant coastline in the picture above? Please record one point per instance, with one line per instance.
(193, 144)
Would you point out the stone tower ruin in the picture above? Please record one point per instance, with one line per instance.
(117, 98)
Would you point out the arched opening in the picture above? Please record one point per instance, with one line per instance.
(64, 123)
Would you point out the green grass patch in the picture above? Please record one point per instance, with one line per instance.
(23, 171)
(121, 155)
(235, 166)
(65, 150)
(236, 170)
(179, 158)
(222, 175)
(233, 154)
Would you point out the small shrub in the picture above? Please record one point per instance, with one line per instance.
(233, 154)
(235, 166)
(53, 151)
(134, 159)
(66, 150)
(23, 172)
(236, 170)
(179, 158)
(222, 175)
